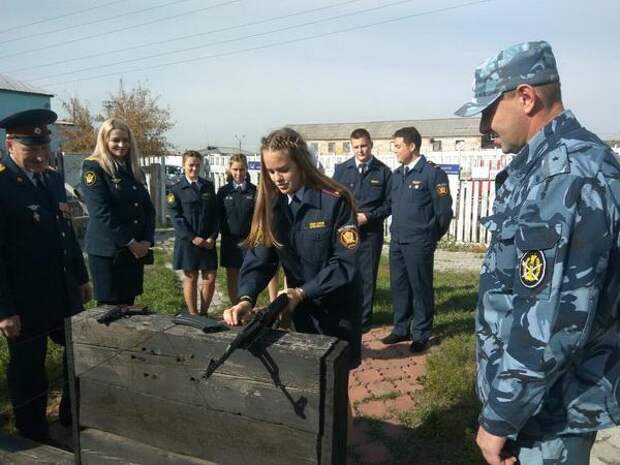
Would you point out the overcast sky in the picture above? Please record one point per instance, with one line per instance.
(229, 69)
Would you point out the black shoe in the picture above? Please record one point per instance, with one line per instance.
(417, 347)
(394, 338)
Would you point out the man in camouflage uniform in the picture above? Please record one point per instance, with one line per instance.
(547, 327)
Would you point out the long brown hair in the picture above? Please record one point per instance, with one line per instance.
(287, 141)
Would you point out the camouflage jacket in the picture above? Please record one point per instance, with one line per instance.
(547, 328)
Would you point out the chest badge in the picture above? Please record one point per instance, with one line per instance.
(90, 178)
(170, 198)
(116, 182)
(317, 224)
(348, 237)
(19, 179)
(375, 182)
(532, 268)
(35, 215)
(415, 185)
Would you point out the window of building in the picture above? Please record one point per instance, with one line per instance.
(459, 144)
(346, 147)
(314, 147)
(331, 147)
(436, 145)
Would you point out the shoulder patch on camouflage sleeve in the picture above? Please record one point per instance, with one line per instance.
(349, 236)
(170, 198)
(442, 189)
(532, 268)
(90, 178)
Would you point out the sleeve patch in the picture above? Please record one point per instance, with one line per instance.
(170, 198)
(349, 237)
(2, 167)
(90, 178)
(442, 189)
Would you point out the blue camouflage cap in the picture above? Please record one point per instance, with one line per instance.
(530, 63)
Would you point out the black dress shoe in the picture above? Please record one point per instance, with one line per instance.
(394, 338)
(418, 346)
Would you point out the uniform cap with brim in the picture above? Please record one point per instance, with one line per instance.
(530, 63)
(29, 127)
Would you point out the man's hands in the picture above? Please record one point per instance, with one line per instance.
(203, 243)
(295, 296)
(11, 327)
(237, 314)
(139, 249)
(491, 447)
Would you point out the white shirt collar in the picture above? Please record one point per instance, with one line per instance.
(358, 163)
(412, 163)
(189, 181)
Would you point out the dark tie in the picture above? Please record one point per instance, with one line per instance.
(363, 168)
(294, 206)
(38, 181)
(196, 187)
(405, 171)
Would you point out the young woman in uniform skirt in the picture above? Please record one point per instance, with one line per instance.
(235, 201)
(193, 212)
(121, 225)
(304, 221)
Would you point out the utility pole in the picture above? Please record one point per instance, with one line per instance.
(240, 140)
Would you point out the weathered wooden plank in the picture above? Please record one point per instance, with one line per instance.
(182, 381)
(16, 450)
(101, 448)
(72, 383)
(200, 432)
(155, 334)
(335, 401)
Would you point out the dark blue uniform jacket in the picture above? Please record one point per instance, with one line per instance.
(41, 264)
(193, 212)
(421, 204)
(119, 208)
(235, 209)
(371, 190)
(318, 255)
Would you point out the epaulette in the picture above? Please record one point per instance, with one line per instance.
(331, 193)
(433, 164)
(52, 169)
(2, 167)
(91, 158)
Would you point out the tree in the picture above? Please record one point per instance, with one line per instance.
(80, 136)
(148, 121)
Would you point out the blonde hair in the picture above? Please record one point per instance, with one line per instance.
(106, 160)
(236, 158)
(287, 141)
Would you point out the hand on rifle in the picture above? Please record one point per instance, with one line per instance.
(238, 314)
(295, 296)
(10, 327)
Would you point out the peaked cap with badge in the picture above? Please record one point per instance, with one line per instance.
(29, 127)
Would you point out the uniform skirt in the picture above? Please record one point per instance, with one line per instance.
(119, 283)
(188, 257)
(231, 254)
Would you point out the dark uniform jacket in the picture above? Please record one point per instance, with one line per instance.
(235, 209)
(193, 212)
(421, 203)
(41, 264)
(119, 208)
(371, 190)
(318, 255)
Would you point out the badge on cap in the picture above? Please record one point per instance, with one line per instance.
(170, 198)
(90, 178)
(348, 237)
(532, 268)
(442, 189)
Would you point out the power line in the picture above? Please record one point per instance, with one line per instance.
(190, 36)
(277, 44)
(225, 41)
(97, 21)
(113, 31)
(54, 18)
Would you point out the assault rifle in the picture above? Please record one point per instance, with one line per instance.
(260, 323)
(123, 311)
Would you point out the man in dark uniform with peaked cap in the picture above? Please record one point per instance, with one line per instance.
(42, 269)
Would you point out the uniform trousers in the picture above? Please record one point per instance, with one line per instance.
(27, 379)
(572, 449)
(411, 281)
(368, 257)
